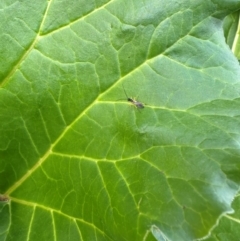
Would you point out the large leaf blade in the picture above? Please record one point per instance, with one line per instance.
(102, 169)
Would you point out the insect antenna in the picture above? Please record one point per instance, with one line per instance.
(125, 91)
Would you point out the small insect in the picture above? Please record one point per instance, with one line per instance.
(136, 103)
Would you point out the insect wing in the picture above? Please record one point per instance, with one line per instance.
(139, 105)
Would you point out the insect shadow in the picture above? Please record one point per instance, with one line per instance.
(139, 105)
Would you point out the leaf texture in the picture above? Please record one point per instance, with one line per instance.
(77, 162)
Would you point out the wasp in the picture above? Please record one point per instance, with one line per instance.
(134, 102)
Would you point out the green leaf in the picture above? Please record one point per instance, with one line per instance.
(77, 162)
(230, 25)
(228, 226)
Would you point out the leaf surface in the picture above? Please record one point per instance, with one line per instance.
(228, 226)
(78, 163)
